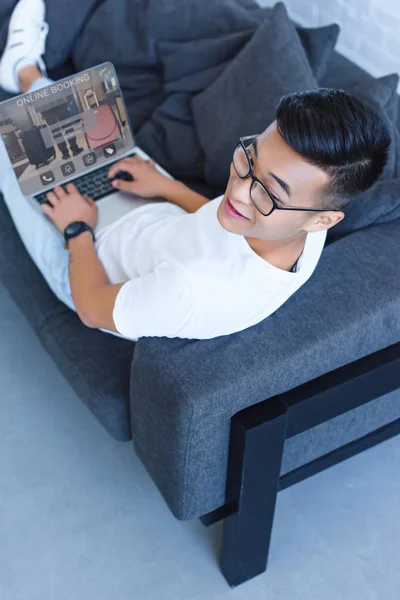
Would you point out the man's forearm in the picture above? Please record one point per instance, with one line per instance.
(93, 294)
(86, 273)
(178, 193)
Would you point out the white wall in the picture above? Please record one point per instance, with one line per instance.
(369, 29)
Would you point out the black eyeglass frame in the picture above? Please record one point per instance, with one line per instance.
(255, 179)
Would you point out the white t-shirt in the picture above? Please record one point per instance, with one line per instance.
(188, 277)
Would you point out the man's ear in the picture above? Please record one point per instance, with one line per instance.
(326, 220)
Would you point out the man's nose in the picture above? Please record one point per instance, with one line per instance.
(241, 190)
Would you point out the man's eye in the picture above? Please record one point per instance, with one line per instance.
(273, 195)
(279, 203)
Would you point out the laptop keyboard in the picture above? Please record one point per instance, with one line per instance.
(96, 184)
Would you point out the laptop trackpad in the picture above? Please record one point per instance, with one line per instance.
(115, 206)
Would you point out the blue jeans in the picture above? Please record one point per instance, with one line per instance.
(41, 239)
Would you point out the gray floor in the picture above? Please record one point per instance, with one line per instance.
(81, 520)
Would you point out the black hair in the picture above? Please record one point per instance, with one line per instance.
(338, 133)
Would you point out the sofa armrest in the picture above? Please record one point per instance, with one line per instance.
(183, 392)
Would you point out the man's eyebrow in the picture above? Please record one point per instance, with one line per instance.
(285, 186)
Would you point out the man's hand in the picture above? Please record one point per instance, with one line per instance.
(68, 206)
(148, 182)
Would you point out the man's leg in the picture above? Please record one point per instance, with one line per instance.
(27, 32)
(41, 239)
(21, 69)
(39, 236)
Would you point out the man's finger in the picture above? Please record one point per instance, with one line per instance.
(71, 188)
(122, 165)
(52, 198)
(120, 184)
(115, 168)
(59, 192)
(46, 209)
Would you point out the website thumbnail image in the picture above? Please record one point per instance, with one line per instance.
(64, 129)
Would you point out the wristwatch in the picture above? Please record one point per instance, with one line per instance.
(76, 228)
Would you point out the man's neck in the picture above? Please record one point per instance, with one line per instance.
(282, 254)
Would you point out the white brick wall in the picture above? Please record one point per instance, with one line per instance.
(369, 29)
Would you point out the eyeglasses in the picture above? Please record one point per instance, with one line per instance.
(262, 199)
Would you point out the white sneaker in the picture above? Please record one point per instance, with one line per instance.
(26, 40)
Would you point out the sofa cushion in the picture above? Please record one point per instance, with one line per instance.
(381, 203)
(319, 43)
(233, 22)
(381, 94)
(341, 72)
(242, 101)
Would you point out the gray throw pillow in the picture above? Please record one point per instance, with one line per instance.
(381, 203)
(243, 100)
(381, 94)
(319, 43)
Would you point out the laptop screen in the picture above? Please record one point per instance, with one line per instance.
(66, 129)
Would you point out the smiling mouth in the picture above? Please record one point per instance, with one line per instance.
(233, 210)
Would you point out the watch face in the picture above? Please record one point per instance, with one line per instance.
(73, 228)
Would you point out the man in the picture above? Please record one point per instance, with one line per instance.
(190, 267)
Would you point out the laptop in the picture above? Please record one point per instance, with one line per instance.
(72, 131)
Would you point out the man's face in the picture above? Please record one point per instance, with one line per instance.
(303, 181)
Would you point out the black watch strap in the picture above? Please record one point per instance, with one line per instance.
(76, 228)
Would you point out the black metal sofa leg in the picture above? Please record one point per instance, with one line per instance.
(255, 457)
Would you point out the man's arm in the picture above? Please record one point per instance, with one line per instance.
(148, 182)
(93, 294)
(178, 193)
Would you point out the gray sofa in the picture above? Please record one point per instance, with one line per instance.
(222, 424)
